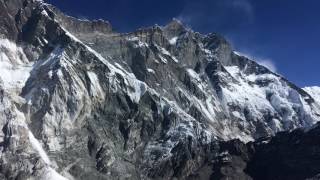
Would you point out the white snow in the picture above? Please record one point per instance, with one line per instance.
(15, 70)
(51, 174)
(71, 35)
(314, 91)
(173, 40)
(45, 41)
(164, 60)
(14, 66)
(237, 115)
(242, 92)
(138, 42)
(59, 73)
(238, 53)
(166, 53)
(134, 38)
(142, 44)
(50, 74)
(44, 12)
(52, 59)
(174, 59)
(197, 80)
(95, 85)
(210, 55)
(283, 100)
(193, 74)
(135, 88)
(37, 146)
(151, 71)
(268, 63)
(19, 120)
(185, 126)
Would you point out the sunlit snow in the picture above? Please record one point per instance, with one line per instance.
(173, 40)
(14, 65)
(314, 92)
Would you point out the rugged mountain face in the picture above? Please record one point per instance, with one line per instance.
(288, 155)
(314, 92)
(80, 101)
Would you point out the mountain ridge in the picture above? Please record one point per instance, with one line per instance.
(157, 103)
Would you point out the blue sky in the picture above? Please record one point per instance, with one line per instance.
(280, 33)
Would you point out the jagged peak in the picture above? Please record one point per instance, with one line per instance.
(175, 23)
(77, 25)
(187, 89)
(174, 28)
(216, 38)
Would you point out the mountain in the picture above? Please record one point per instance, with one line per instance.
(314, 92)
(81, 101)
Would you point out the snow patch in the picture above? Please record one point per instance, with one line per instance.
(138, 42)
(173, 40)
(14, 66)
(51, 174)
(134, 38)
(60, 73)
(95, 88)
(174, 59)
(314, 92)
(196, 79)
(135, 88)
(151, 71)
(268, 63)
(50, 74)
(37, 146)
(166, 53)
(44, 12)
(263, 94)
(209, 54)
(193, 74)
(164, 60)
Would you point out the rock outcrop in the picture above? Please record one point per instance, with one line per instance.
(80, 101)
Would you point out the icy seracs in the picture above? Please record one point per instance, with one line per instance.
(156, 103)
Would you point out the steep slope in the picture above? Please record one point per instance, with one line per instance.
(287, 156)
(208, 80)
(196, 71)
(314, 92)
(153, 104)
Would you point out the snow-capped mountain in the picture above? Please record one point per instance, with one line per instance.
(314, 92)
(80, 101)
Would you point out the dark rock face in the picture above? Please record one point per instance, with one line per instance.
(293, 155)
(80, 101)
(288, 155)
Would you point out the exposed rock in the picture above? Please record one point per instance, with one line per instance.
(85, 102)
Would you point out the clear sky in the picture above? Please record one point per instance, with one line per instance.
(282, 33)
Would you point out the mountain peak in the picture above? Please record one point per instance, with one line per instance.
(78, 97)
(175, 22)
(175, 27)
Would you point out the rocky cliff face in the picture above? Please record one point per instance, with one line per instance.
(80, 101)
